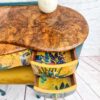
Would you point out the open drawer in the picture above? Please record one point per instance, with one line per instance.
(59, 64)
(53, 86)
(16, 59)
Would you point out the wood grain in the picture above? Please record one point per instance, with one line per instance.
(8, 48)
(90, 9)
(26, 26)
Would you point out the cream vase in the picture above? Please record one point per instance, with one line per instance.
(47, 6)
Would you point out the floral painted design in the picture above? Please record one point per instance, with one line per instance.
(53, 58)
(54, 83)
(54, 64)
(15, 59)
(25, 58)
(52, 72)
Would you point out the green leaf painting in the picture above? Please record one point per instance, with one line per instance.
(62, 86)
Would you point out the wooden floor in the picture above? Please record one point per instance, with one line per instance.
(88, 81)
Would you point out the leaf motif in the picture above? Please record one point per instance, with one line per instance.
(67, 85)
(42, 81)
(62, 86)
(50, 73)
(43, 77)
(56, 75)
(59, 70)
(55, 69)
(56, 88)
(52, 70)
(43, 70)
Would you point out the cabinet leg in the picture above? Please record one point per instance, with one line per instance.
(2, 92)
(38, 97)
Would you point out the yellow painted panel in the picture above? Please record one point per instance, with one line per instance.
(54, 83)
(68, 90)
(18, 75)
(15, 59)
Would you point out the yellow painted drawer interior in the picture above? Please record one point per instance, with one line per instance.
(55, 85)
(52, 69)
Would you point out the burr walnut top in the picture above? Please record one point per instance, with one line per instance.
(8, 48)
(27, 26)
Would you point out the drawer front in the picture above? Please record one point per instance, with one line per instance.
(15, 59)
(54, 64)
(55, 85)
(60, 71)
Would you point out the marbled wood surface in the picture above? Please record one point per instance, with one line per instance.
(8, 48)
(27, 26)
(90, 9)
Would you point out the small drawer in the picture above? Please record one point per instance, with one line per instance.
(51, 86)
(50, 65)
(21, 58)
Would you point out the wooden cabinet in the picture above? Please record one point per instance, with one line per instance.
(49, 44)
